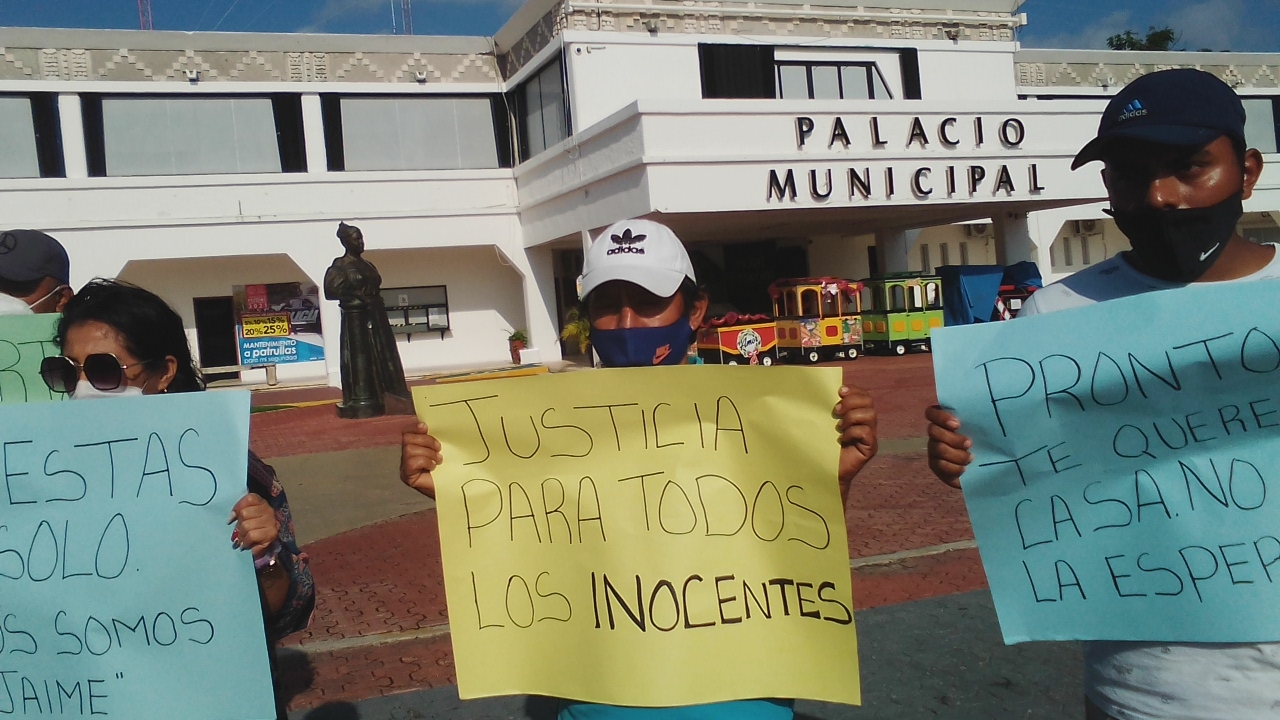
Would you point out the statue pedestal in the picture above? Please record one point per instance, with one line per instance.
(357, 410)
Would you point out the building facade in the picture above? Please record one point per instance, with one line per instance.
(777, 139)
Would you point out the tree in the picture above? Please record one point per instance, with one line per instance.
(1156, 39)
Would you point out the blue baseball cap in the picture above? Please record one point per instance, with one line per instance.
(28, 255)
(1182, 107)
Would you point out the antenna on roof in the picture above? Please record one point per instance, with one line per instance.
(144, 15)
(406, 16)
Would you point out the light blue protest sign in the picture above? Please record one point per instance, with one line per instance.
(25, 340)
(1125, 483)
(120, 592)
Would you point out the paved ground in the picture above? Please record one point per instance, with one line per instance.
(379, 645)
(931, 658)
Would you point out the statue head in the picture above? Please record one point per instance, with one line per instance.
(351, 237)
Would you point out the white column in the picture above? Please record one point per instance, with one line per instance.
(1014, 243)
(540, 303)
(314, 265)
(538, 274)
(71, 122)
(313, 134)
(893, 248)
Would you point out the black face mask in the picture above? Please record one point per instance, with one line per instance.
(1180, 245)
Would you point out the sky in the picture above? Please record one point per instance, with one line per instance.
(1235, 25)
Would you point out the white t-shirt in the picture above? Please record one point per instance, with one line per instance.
(1166, 681)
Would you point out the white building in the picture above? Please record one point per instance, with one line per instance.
(778, 139)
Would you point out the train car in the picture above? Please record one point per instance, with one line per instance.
(818, 318)
(902, 311)
(738, 340)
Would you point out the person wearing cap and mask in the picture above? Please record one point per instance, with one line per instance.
(1177, 170)
(642, 297)
(34, 273)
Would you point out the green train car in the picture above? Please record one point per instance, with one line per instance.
(899, 313)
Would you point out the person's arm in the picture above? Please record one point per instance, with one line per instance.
(274, 581)
(948, 449)
(419, 456)
(857, 427)
(284, 577)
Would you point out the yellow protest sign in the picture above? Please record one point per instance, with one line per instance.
(645, 537)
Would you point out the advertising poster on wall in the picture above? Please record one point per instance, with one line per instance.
(278, 323)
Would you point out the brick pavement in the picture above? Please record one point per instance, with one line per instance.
(381, 622)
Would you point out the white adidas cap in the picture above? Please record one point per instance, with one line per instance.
(639, 251)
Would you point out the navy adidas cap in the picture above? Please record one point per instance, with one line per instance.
(1181, 107)
(27, 255)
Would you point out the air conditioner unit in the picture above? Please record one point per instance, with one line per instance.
(1086, 227)
(978, 230)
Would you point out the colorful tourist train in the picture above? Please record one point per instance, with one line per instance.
(828, 318)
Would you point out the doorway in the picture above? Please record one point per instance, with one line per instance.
(216, 335)
(750, 267)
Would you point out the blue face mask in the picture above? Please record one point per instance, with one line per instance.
(643, 347)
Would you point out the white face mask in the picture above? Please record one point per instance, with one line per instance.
(48, 295)
(85, 391)
(10, 305)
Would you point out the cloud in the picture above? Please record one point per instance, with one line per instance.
(1091, 37)
(1213, 24)
(333, 9)
(344, 10)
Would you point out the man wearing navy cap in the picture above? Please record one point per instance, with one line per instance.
(1177, 171)
(34, 273)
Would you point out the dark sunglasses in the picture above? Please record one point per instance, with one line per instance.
(104, 371)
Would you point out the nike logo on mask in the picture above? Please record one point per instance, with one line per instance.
(661, 354)
(1208, 252)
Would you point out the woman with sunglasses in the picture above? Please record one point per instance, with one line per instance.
(119, 340)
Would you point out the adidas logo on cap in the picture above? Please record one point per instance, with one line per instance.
(1132, 110)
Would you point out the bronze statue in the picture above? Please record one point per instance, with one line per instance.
(371, 365)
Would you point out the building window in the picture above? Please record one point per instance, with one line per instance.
(945, 251)
(417, 309)
(964, 253)
(737, 71)
(1066, 252)
(830, 81)
(1260, 129)
(411, 133)
(542, 115)
(1084, 252)
(170, 135)
(30, 140)
(925, 265)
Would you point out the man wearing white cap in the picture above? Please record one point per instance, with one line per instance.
(645, 306)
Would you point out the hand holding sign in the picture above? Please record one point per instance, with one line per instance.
(856, 414)
(645, 537)
(948, 449)
(1122, 487)
(419, 456)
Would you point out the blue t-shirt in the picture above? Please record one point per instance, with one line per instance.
(737, 710)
